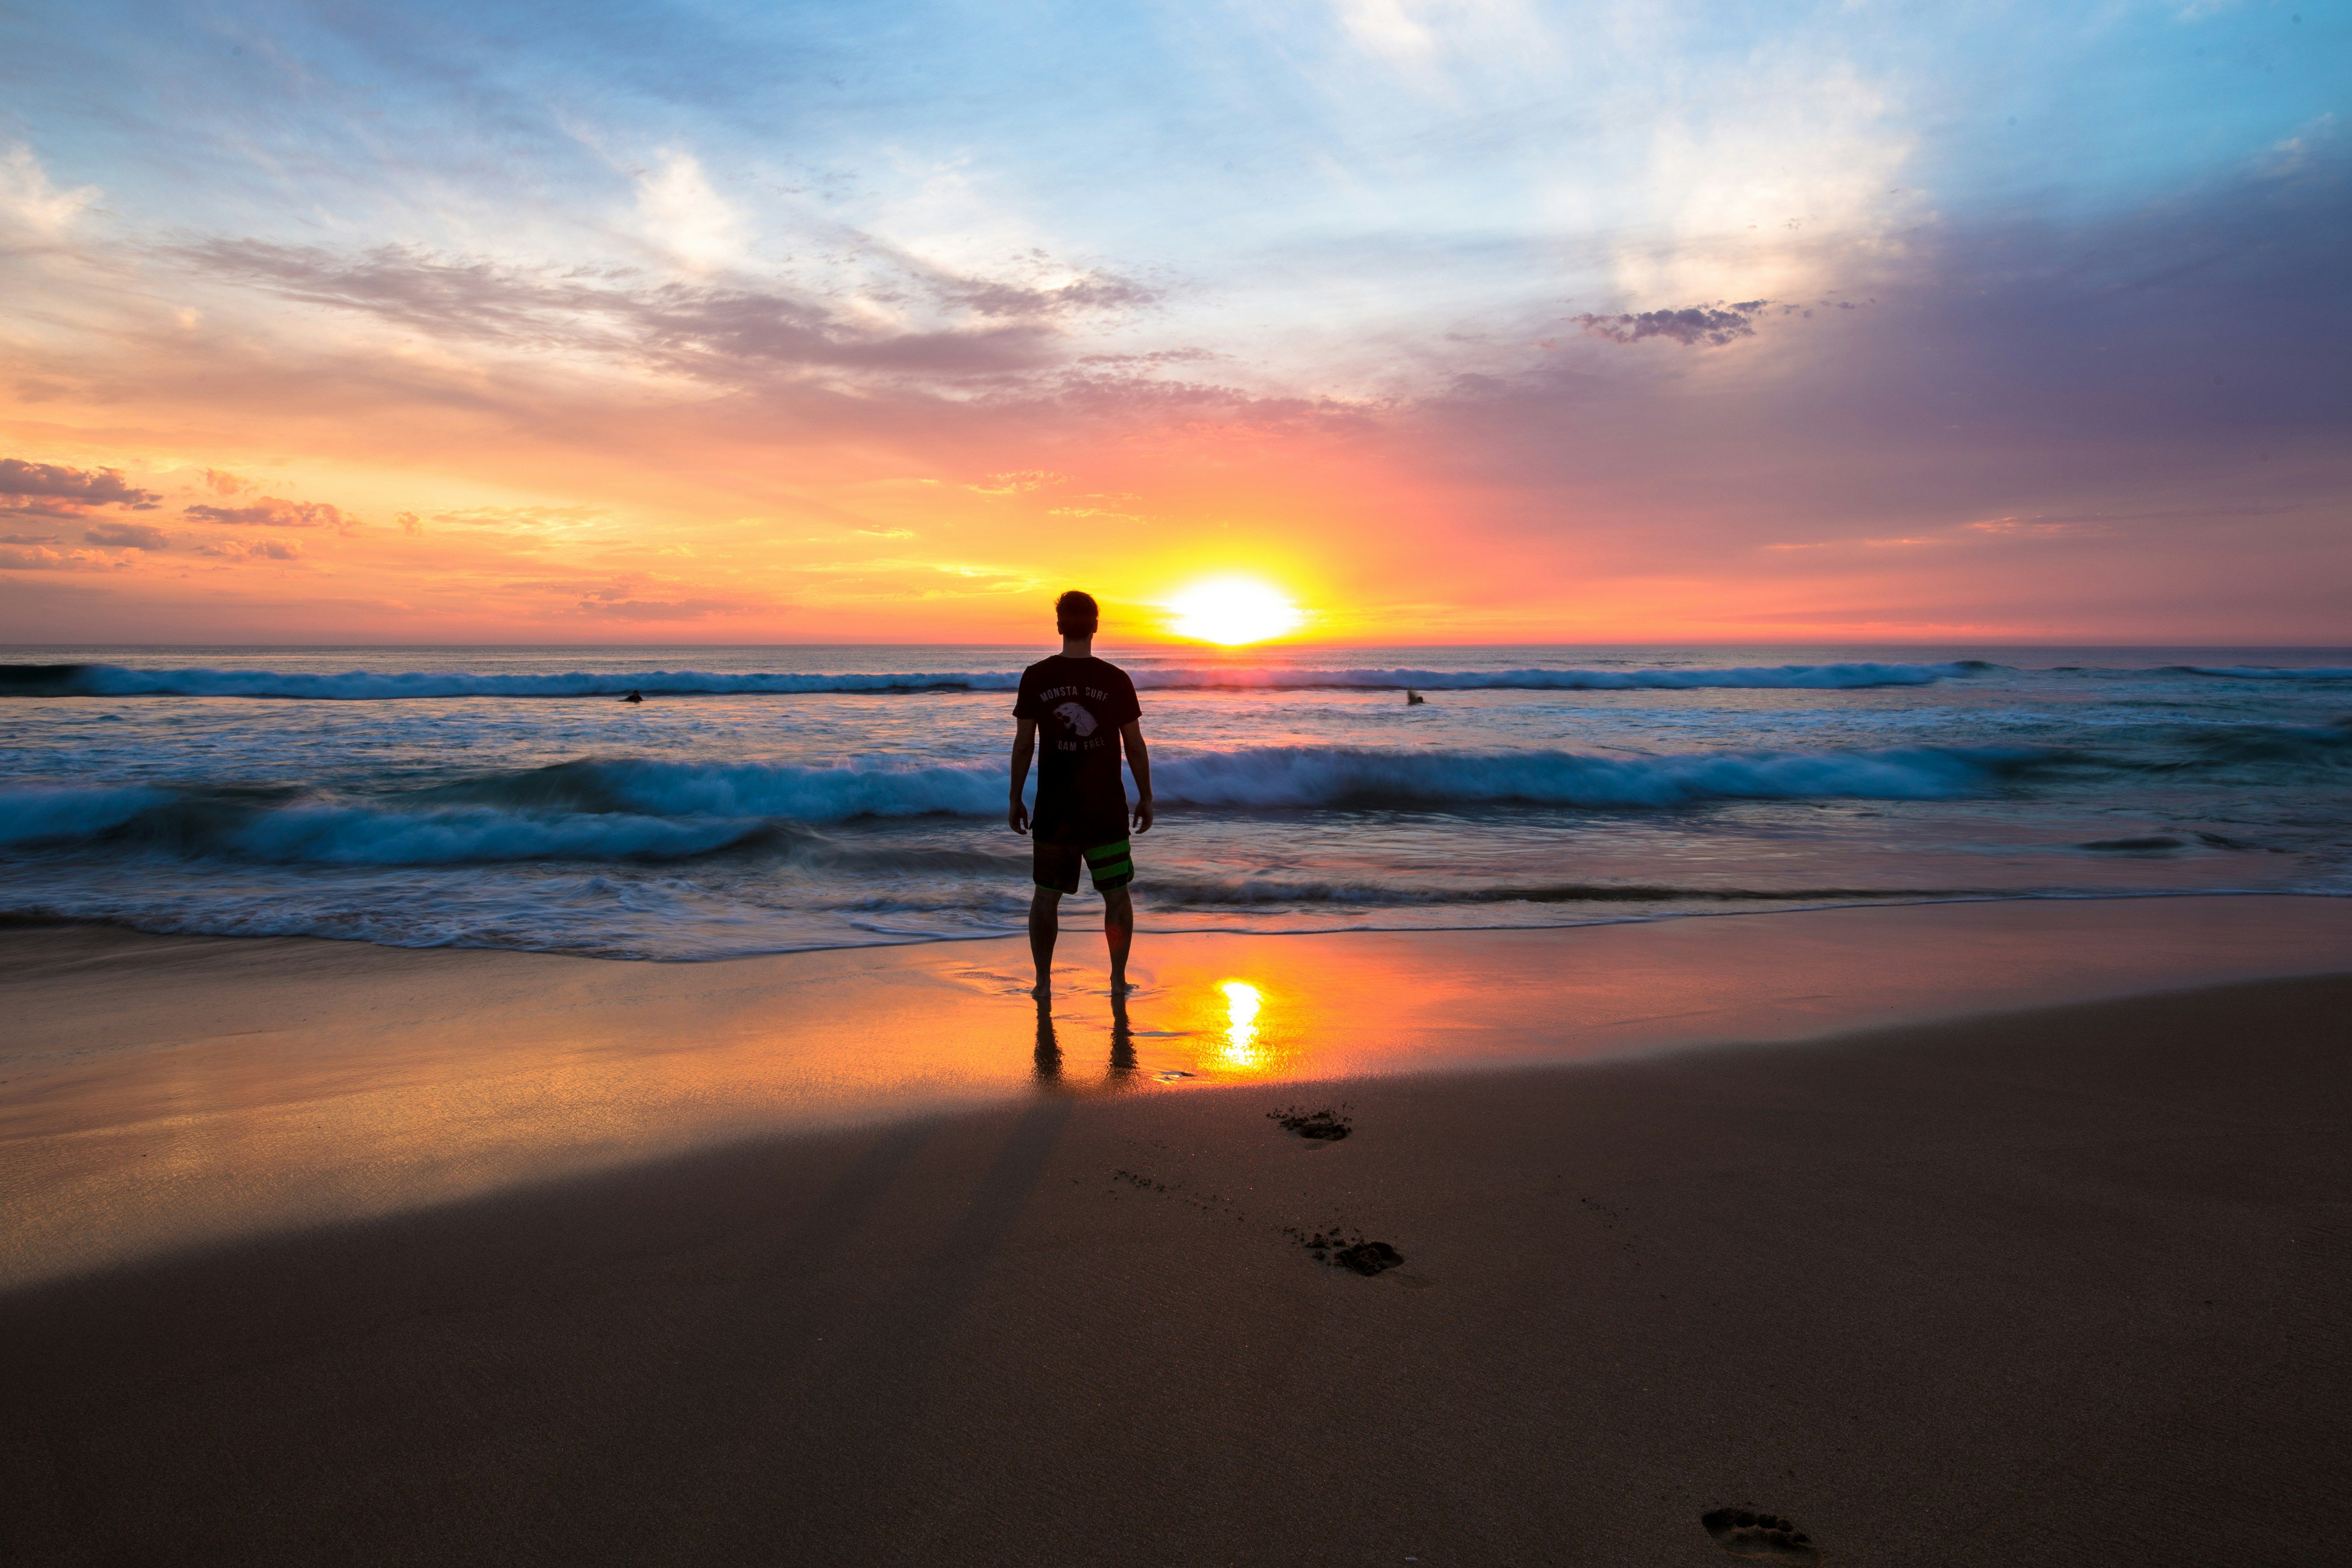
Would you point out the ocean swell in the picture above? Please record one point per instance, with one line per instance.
(640, 809)
(1260, 778)
(362, 686)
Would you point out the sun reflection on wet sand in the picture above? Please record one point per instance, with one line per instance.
(1243, 1001)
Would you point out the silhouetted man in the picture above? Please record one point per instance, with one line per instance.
(1083, 712)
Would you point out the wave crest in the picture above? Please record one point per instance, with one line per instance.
(366, 686)
(2264, 671)
(638, 809)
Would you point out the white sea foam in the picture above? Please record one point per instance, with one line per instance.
(645, 809)
(359, 685)
(2269, 671)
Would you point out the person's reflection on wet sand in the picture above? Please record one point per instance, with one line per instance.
(1122, 1040)
(1048, 1054)
(1049, 1050)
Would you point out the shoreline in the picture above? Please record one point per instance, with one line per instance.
(15, 922)
(163, 1093)
(2056, 1285)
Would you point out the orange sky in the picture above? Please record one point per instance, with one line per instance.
(1791, 363)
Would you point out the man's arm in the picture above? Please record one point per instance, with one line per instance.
(1024, 746)
(1138, 761)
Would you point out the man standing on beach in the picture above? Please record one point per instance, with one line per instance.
(1087, 713)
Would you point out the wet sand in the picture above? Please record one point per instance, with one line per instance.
(2055, 1286)
(159, 1093)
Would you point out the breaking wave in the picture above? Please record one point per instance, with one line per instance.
(2264, 671)
(357, 686)
(651, 810)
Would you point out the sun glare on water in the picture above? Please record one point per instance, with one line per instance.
(1233, 611)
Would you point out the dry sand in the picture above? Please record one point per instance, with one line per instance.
(2064, 1286)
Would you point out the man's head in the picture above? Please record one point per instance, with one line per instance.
(1076, 615)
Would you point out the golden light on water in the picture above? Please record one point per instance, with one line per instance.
(1243, 1001)
(1233, 611)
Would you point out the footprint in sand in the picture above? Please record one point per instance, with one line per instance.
(1746, 1534)
(1350, 1251)
(1315, 1126)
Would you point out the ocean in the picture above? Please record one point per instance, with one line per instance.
(766, 799)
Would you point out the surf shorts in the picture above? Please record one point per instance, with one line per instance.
(1057, 864)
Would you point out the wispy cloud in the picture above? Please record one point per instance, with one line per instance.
(725, 332)
(270, 512)
(27, 196)
(252, 548)
(685, 217)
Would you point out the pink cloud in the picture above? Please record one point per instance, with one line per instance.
(270, 512)
(52, 489)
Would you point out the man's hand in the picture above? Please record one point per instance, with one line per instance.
(1139, 762)
(1024, 746)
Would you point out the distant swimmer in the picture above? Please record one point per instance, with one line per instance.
(634, 696)
(1413, 699)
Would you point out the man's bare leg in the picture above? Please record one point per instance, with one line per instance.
(1045, 925)
(1118, 933)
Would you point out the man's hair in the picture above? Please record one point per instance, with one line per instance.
(1076, 615)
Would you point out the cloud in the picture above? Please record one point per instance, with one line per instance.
(528, 519)
(40, 559)
(26, 194)
(52, 489)
(1385, 27)
(685, 217)
(1096, 292)
(253, 550)
(960, 327)
(621, 609)
(1020, 481)
(2052, 376)
(1717, 325)
(221, 482)
(270, 512)
(128, 536)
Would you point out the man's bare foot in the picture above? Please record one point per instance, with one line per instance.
(1120, 987)
(1042, 991)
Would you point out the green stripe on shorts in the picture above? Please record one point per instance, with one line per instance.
(1111, 865)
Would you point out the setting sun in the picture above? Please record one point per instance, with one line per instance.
(1232, 611)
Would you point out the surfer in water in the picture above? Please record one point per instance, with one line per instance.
(1075, 714)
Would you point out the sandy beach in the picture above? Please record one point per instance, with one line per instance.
(1935, 1273)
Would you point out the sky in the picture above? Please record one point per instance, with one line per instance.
(1455, 321)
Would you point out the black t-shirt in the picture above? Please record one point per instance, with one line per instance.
(1079, 706)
